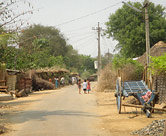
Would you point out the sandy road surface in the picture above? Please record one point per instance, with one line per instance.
(129, 120)
(58, 113)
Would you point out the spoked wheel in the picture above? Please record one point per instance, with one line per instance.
(118, 95)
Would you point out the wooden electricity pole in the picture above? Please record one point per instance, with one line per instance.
(147, 32)
(146, 4)
(149, 75)
(99, 52)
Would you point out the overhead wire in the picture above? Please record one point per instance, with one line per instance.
(76, 35)
(92, 50)
(80, 39)
(90, 14)
(79, 29)
(83, 43)
(82, 28)
(85, 38)
(105, 44)
(108, 45)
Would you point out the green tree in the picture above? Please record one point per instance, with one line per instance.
(128, 27)
(56, 41)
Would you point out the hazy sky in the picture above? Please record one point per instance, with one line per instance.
(79, 32)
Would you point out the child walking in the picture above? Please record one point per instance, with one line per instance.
(84, 86)
(88, 86)
(79, 86)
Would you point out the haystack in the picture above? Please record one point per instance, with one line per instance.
(157, 50)
(41, 84)
(107, 79)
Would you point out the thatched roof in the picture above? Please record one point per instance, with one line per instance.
(52, 70)
(74, 74)
(12, 72)
(157, 50)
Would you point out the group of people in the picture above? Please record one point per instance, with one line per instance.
(85, 86)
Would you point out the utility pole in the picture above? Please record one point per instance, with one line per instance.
(99, 52)
(149, 76)
(146, 4)
(147, 32)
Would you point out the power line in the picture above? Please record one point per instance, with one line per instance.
(81, 39)
(89, 40)
(93, 51)
(81, 28)
(76, 35)
(106, 42)
(90, 14)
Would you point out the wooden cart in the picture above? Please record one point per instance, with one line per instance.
(138, 89)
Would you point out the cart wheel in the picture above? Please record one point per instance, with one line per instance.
(119, 95)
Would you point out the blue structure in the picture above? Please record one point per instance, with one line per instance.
(136, 89)
(56, 82)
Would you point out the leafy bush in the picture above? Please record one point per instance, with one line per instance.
(119, 62)
(158, 64)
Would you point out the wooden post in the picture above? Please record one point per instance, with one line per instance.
(99, 53)
(147, 33)
(149, 76)
(25, 85)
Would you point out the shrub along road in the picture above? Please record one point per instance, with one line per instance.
(61, 112)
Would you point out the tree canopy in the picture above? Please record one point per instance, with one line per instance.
(128, 27)
(40, 47)
(56, 41)
(36, 46)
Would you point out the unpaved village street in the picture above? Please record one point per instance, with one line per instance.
(64, 112)
(61, 112)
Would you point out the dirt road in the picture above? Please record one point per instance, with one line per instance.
(66, 113)
(61, 112)
(129, 120)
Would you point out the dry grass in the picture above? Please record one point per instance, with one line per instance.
(130, 73)
(107, 79)
(108, 76)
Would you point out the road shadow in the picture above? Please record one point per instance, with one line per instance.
(21, 102)
(24, 116)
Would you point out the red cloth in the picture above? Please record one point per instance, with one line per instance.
(147, 96)
(88, 86)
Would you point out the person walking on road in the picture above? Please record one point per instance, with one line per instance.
(79, 85)
(84, 86)
(88, 86)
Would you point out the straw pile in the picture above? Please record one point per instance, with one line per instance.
(107, 79)
(52, 70)
(131, 72)
(41, 84)
(157, 50)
